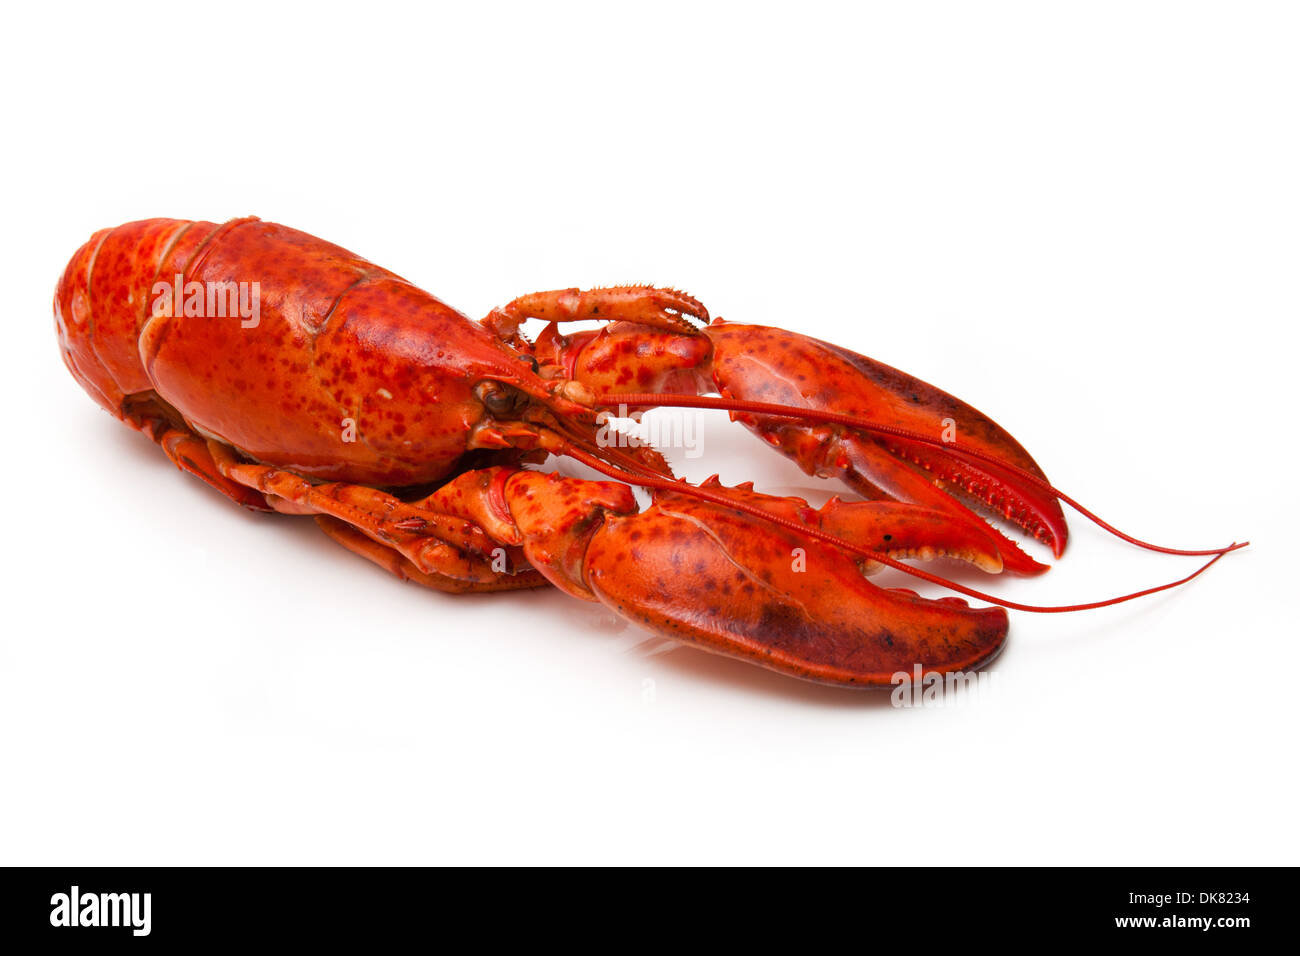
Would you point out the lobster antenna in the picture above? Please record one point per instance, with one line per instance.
(682, 487)
(818, 415)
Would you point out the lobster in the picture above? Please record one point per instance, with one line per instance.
(404, 429)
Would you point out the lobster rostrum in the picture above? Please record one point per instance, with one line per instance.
(404, 428)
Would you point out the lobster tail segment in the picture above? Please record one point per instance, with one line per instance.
(103, 301)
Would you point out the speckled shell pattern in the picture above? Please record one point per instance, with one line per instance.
(338, 342)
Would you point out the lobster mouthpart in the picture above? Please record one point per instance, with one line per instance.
(757, 363)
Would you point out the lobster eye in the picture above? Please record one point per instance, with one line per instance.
(500, 399)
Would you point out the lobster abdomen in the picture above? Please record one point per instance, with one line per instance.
(99, 329)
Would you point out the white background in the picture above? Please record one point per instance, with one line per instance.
(1082, 219)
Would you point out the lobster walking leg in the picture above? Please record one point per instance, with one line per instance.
(647, 305)
(647, 345)
(393, 562)
(186, 450)
(434, 543)
(546, 517)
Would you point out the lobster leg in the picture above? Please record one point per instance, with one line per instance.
(481, 497)
(186, 450)
(650, 345)
(393, 562)
(434, 543)
(647, 305)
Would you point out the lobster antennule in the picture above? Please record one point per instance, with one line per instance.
(726, 501)
(954, 447)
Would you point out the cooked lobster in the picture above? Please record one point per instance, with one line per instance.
(296, 377)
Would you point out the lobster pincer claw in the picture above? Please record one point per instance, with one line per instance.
(737, 585)
(892, 528)
(762, 364)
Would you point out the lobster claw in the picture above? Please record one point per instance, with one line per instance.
(759, 363)
(737, 584)
(751, 363)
